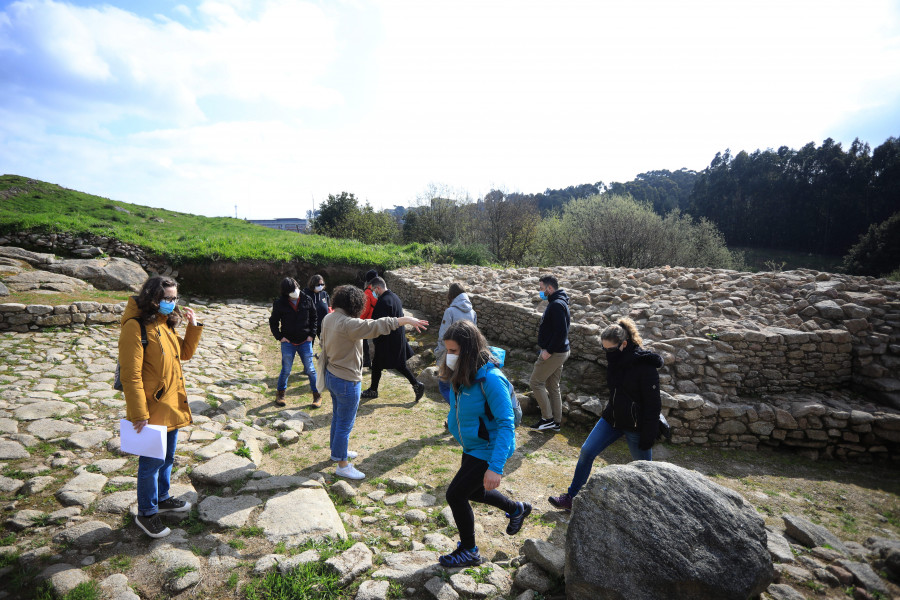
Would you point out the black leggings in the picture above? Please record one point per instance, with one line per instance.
(403, 370)
(469, 485)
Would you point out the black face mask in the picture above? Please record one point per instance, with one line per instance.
(613, 354)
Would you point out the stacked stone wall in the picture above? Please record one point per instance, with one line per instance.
(775, 359)
(86, 246)
(22, 317)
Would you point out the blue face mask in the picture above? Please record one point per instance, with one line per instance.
(166, 308)
(542, 295)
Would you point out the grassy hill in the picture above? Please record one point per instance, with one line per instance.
(30, 205)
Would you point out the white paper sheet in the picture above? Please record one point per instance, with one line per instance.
(151, 441)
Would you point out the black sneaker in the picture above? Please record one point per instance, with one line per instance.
(420, 390)
(544, 424)
(554, 427)
(152, 526)
(173, 505)
(370, 393)
(461, 558)
(516, 520)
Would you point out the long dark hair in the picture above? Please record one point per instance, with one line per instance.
(154, 290)
(473, 354)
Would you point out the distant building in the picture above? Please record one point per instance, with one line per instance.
(298, 225)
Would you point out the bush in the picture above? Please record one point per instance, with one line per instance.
(458, 254)
(617, 231)
(878, 250)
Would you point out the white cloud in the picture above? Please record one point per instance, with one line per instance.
(266, 104)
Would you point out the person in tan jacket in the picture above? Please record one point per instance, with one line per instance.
(341, 364)
(153, 384)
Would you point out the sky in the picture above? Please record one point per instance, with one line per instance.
(262, 108)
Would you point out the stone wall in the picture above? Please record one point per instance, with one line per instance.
(87, 246)
(21, 317)
(750, 359)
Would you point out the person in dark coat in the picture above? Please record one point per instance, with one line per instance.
(633, 407)
(391, 350)
(294, 323)
(315, 289)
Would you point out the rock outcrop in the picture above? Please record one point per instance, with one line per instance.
(651, 530)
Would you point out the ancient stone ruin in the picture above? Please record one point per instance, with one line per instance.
(799, 358)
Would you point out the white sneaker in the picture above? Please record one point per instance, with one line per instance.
(350, 456)
(349, 472)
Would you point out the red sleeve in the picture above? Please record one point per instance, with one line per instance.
(370, 304)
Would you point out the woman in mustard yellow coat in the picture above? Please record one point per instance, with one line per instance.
(153, 383)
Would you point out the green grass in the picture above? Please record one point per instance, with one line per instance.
(182, 571)
(87, 590)
(120, 562)
(310, 580)
(180, 237)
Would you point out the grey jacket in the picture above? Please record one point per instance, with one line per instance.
(460, 309)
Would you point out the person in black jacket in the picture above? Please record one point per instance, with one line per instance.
(315, 289)
(294, 323)
(553, 340)
(391, 350)
(633, 407)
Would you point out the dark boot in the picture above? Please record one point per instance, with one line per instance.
(279, 398)
(317, 400)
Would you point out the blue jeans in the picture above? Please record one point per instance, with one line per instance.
(154, 475)
(602, 435)
(345, 402)
(445, 388)
(305, 350)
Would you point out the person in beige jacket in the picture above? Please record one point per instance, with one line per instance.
(153, 384)
(341, 364)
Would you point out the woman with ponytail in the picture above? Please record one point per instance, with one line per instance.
(633, 407)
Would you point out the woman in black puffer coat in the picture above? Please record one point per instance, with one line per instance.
(633, 407)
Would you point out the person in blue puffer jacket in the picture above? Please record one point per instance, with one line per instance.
(481, 419)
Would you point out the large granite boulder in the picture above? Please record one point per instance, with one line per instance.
(45, 280)
(103, 273)
(650, 530)
(34, 259)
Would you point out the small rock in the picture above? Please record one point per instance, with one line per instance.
(440, 589)
(531, 577)
(343, 489)
(415, 516)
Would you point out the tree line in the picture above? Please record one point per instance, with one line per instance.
(819, 199)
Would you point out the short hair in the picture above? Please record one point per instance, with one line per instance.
(370, 275)
(288, 285)
(350, 299)
(314, 281)
(551, 281)
(455, 290)
(377, 282)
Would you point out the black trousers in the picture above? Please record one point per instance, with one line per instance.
(469, 485)
(403, 370)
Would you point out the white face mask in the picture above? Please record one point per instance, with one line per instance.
(295, 294)
(319, 288)
(451, 361)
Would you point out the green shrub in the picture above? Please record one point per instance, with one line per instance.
(617, 231)
(878, 250)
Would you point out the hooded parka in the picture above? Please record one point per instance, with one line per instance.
(152, 378)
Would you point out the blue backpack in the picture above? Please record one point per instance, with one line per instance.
(500, 355)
